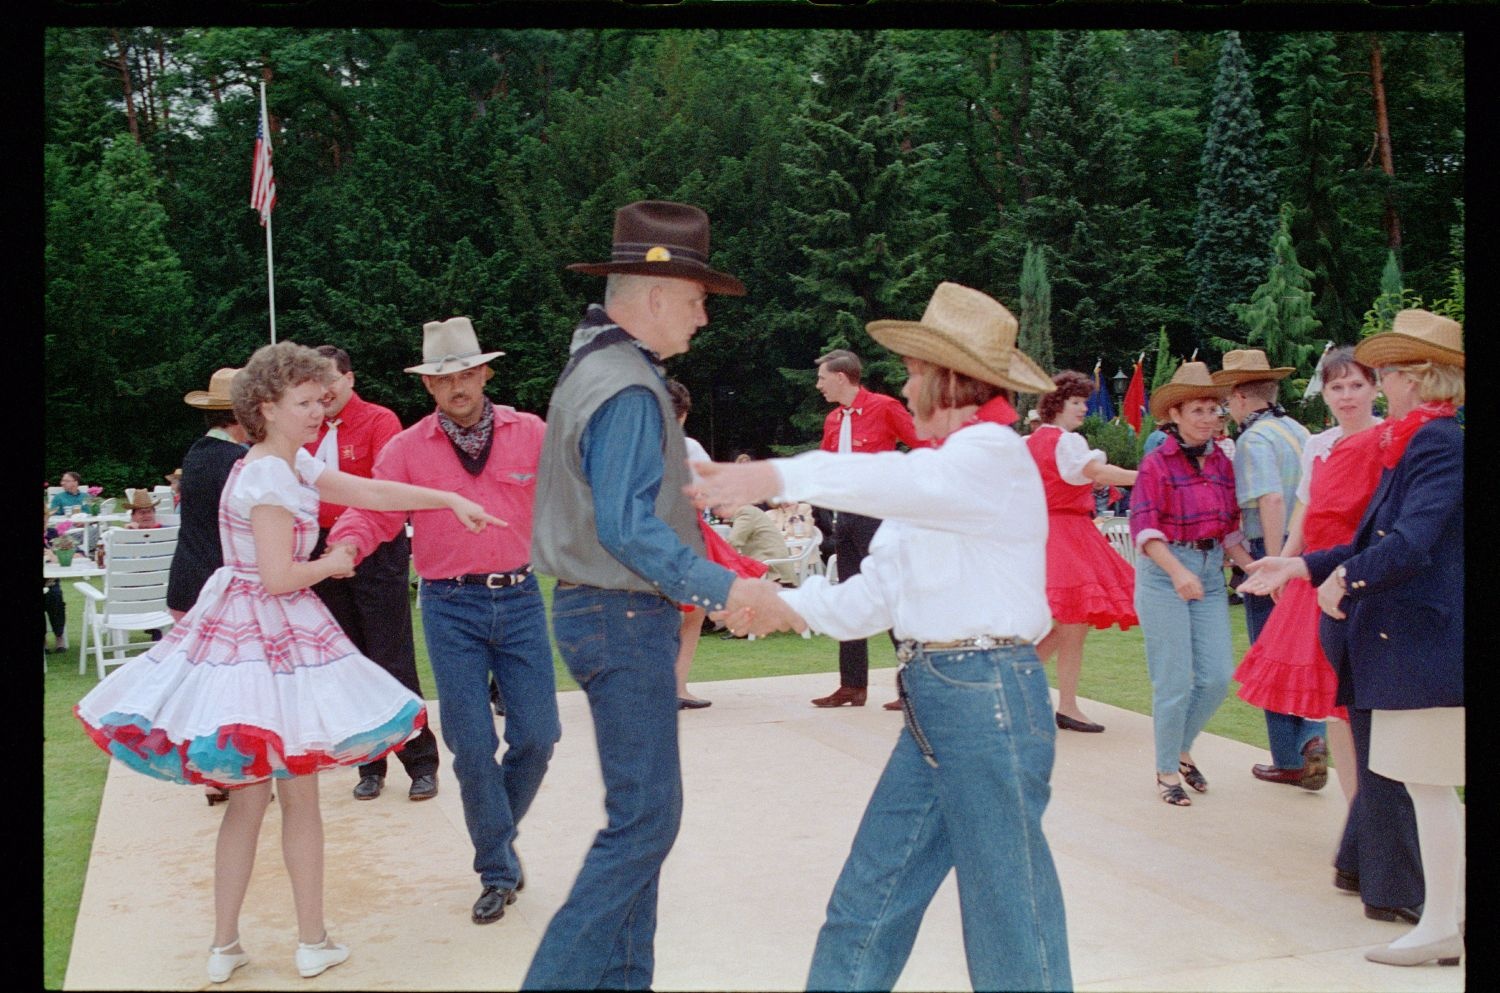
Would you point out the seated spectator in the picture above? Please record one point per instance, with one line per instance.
(72, 497)
(142, 507)
(174, 480)
(54, 610)
(794, 520)
(753, 533)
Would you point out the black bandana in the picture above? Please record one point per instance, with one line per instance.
(1275, 410)
(1196, 451)
(472, 444)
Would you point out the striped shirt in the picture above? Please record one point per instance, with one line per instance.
(1174, 501)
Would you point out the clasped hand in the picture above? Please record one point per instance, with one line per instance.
(756, 608)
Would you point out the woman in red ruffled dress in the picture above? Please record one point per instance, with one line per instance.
(1285, 670)
(1088, 583)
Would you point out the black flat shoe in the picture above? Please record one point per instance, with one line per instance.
(1067, 723)
(423, 787)
(1347, 882)
(1406, 915)
(685, 704)
(368, 787)
(490, 906)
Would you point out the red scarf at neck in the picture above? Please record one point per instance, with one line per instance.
(996, 411)
(1394, 437)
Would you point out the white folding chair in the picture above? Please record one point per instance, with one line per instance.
(804, 560)
(134, 597)
(1118, 533)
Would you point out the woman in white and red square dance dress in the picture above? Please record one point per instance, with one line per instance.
(257, 682)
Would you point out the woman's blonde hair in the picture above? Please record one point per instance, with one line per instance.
(948, 388)
(271, 371)
(1437, 382)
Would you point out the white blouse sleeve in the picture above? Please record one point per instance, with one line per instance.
(1317, 447)
(1073, 453)
(270, 481)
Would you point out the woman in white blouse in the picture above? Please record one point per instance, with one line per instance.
(957, 572)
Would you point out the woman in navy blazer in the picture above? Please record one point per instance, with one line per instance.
(1393, 601)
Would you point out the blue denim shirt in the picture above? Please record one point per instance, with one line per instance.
(621, 449)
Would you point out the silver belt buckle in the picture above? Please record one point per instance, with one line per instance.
(906, 651)
(984, 642)
(504, 577)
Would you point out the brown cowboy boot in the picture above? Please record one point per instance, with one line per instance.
(854, 697)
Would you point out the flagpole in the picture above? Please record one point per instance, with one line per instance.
(270, 264)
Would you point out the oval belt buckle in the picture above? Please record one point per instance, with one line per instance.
(984, 643)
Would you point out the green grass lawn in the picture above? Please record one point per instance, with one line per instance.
(1114, 672)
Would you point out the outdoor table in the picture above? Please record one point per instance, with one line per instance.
(88, 526)
(82, 567)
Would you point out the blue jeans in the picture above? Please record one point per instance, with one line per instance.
(473, 632)
(1288, 733)
(1188, 652)
(621, 647)
(976, 807)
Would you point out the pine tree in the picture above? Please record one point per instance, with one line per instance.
(1101, 258)
(1165, 365)
(1280, 317)
(1236, 210)
(864, 246)
(1035, 334)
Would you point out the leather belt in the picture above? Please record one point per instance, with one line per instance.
(907, 649)
(491, 580)
(1201, 544)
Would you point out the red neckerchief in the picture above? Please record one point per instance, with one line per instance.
(996, 411)
(1394, 437)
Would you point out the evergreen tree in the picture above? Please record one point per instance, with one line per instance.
(1280, 317)
(1101, 258)
(865, 249)
(1165, 366)
(1035, 334)
(1236, 210)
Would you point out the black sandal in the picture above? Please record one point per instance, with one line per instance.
(1193, 777)
(1172, 793)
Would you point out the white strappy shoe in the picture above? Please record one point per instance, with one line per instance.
(222, 962)
(316, 958)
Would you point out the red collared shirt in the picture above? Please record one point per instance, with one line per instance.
(879, 422)
(364, 429)
(441, 547)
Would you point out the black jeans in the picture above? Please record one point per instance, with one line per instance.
(851, 539)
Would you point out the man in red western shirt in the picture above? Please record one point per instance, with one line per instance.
(373, 606)
(861, 422)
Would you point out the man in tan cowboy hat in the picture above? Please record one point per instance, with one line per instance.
(205, 469)
(373, 606)
(1267, 467)
(481, 609)
(615, 527)
(142, 506)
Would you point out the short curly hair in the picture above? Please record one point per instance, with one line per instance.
(1070, 383)
(271, 371)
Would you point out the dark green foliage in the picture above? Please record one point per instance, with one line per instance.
(427, 173)
(1118, 440)
(1035, 334)
(1236, 209)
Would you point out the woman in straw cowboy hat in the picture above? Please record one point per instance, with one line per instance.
(958, 572)
(1185, 522)
(257, 681)
(1394, 603)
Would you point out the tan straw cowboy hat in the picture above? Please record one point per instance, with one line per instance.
(450, 346)
(216, 397)
(1415, 336)
(139, 499)
(661, 238)
(1247, 365)
(965, 330)
(1190, 382)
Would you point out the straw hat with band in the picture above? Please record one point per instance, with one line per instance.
(661, 238)
(450, 346)
(174, 475)
(964, 330)
(1415, 336)
(1248, 365)
(1191, 381)
(139, 499)
(216, 397)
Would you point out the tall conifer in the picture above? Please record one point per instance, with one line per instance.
(1035, 334)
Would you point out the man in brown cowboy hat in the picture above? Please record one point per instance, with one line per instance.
(373, 606)
(615, 527)
(1267, 467)
(482, 613)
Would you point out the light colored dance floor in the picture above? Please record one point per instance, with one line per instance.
(1234, 893)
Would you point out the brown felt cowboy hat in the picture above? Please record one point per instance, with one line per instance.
(1415, 336)
(1190, 382)
(965, 330)
(450, 346)
(1247, 365)
(661, 238)
(216, 397)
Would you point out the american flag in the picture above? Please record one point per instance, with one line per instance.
(262, 181)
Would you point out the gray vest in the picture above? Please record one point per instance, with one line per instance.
(564, 542)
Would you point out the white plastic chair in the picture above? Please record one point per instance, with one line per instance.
(804, 560)
(162, 495)
(1118, 533)
(134, 597)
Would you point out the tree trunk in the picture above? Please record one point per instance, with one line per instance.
(161, 67)
(1383, 145)
(135, 127)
